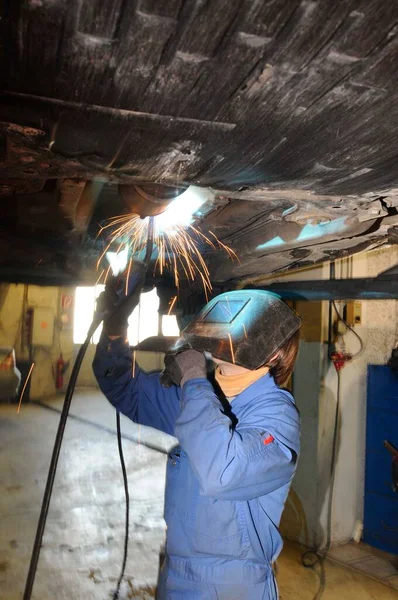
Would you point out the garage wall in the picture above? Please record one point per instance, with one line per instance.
(379, 331)
(11, 302)
(315, 388)
(14, 301)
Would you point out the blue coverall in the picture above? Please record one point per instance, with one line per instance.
(226, 486)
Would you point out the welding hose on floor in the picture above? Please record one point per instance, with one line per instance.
(58, 442)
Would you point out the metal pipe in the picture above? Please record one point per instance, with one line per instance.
(383, 288)
(330, 317)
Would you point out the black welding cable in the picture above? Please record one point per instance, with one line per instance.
(54, 461)
(57, 447)
(148, 254)
(127, 499)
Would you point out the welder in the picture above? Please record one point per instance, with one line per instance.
(238, 434)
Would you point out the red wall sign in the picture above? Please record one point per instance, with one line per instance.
(66, 301)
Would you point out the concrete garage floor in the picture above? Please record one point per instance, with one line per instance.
(83, 541)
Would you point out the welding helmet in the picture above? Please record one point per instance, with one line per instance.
(245, 327)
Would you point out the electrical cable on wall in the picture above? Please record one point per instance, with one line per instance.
(311, 558)
(340, 318)
(316, 556)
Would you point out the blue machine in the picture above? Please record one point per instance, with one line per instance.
(381, 501)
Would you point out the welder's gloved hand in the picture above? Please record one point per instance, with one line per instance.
(115, 305)
(180, 368)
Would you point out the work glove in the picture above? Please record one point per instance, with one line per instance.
(115, 306)
(183, 366)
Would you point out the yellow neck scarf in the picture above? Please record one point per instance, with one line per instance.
(232, 385)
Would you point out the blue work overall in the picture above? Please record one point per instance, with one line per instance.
(226, 485)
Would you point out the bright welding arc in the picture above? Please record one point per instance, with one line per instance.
(177, 246)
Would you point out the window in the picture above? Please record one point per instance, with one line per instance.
(170, 325)
(143, 322)
(84, 311)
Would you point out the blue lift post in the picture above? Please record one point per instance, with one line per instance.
(381, 501)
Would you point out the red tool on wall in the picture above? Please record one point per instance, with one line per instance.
(340, 359)
(340, 355)
(60, 368)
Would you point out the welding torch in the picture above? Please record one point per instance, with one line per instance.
(126, 284)
(133, 287)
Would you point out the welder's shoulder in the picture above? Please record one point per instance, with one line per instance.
(284, 396)
(273, 398)
(275, 410)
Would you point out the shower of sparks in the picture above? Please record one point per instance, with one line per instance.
(128, 276)
(172, 303)
(106, 275)
(134, 359)
(178, 247)
(99, 278)
(232, 348)
(24, 387)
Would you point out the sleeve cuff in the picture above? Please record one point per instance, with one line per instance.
(111, 346)
(196, 387)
